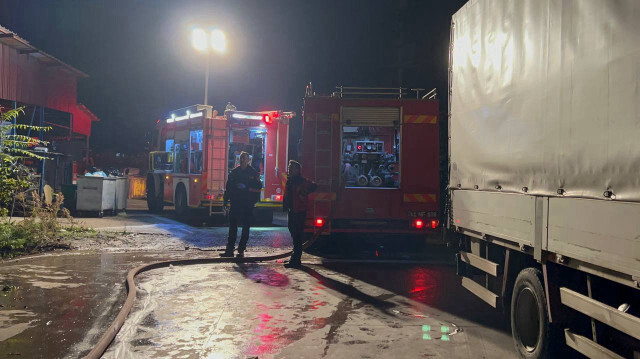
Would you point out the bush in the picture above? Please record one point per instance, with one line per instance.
(40, 231)
(14, 238)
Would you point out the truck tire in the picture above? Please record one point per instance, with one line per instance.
(182, 206)
(530, 327)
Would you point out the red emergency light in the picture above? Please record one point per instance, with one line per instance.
(418, 223)
(319, 222)
(268, 119)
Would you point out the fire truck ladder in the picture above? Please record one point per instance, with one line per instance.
(217, 164)
(323, 172)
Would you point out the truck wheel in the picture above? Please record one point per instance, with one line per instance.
(530, 325)
(181, 202)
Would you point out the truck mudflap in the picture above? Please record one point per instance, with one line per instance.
(601, 312)
(464, 260)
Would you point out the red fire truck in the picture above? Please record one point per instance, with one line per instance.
(375, 160)
(197, 149)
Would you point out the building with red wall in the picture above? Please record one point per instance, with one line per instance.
(47, 89)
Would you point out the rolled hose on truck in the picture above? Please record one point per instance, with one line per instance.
(115, 326)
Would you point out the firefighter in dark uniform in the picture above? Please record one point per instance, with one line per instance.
(295, 202)
(243, 190)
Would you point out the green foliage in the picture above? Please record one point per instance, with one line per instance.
(14, 145)
(39, 231)
(15, 178)
(13, 238)
(75, 231)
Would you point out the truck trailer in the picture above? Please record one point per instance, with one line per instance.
(374, 154)
(544, 169)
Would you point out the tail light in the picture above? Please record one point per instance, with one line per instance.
(418, 223)
(434, 223)
(276, 197)
(319, 222)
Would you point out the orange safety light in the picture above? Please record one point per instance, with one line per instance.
(319, 222)
(434, 223)
(418, 223)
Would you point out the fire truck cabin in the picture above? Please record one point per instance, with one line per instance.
(376, 163)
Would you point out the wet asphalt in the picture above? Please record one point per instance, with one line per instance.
(361, 300)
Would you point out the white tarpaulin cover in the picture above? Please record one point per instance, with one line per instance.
(545, 95)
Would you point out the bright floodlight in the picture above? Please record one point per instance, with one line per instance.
(218, 41)
(199, 40)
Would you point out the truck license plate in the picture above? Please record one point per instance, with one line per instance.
(421, 214)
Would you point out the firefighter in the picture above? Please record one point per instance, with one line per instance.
(297, 190)
(243, 190)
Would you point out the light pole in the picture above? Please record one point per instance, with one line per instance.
(207, 43)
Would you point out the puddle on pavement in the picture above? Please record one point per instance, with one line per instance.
(65, 300)
(14, 322)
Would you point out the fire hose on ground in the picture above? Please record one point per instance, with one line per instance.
(115, 326)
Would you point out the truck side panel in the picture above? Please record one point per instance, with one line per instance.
(502, 215)
(604, 233)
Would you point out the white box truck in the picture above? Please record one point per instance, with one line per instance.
(544, 169)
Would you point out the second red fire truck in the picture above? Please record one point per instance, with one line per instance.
(197, 149)
(375, 160)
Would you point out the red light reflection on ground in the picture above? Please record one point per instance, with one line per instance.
(270, 277)
(265, 317)
(317, 304)
(276, 333)
(423, 285)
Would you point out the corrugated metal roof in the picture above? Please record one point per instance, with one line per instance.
(23, 46)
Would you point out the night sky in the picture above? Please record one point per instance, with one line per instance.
(141, 64)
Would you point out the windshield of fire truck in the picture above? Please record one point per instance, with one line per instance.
(370, 156)
(161, 161)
